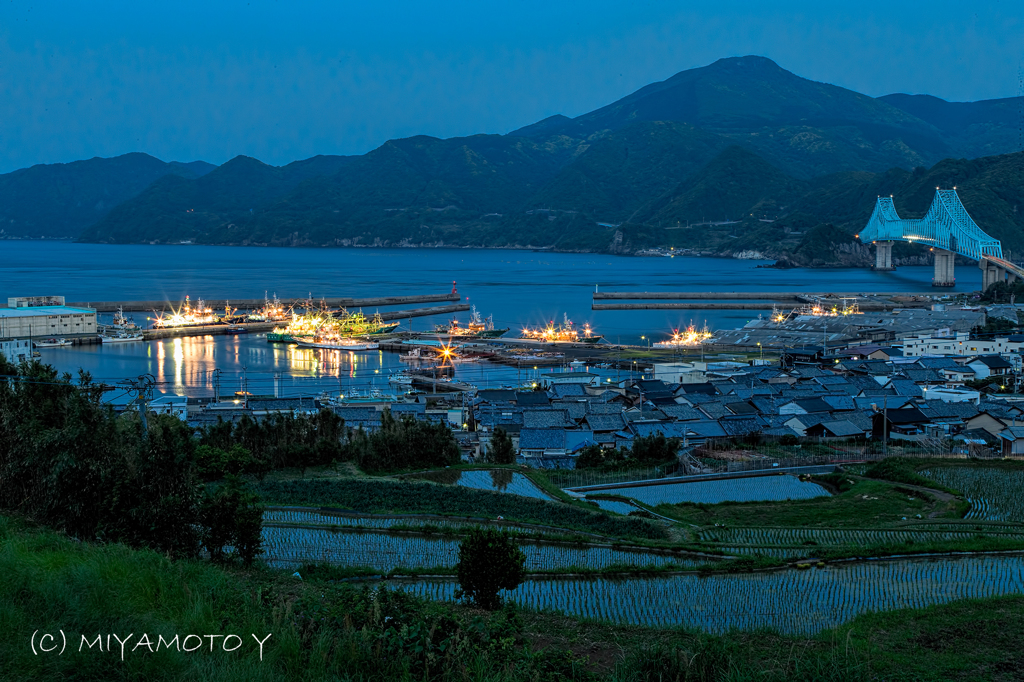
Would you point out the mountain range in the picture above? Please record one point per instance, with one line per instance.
(738, 155)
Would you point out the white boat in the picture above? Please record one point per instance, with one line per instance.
(121, 337)
(51, 343)
(400, 379)
(337, 344)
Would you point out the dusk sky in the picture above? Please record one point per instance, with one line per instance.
(282, 81)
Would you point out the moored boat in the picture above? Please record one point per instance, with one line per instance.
(121, 337)
(477, 327)
(342, 343)
(51, 343)
(564, 333)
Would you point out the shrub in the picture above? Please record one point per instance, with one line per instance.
(489, 561)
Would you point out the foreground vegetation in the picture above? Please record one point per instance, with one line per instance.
(322, 630)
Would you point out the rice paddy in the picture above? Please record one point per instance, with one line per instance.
(791, 601)
(774, 488)
(846, 537)
(497, 480)
(994, 494)
(285, 546)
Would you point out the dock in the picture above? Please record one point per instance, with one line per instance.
(255, 303)
(256, 327)
(754, 300)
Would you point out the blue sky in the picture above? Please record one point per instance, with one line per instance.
(286, 80)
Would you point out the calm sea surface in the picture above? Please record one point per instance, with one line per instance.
(518, 287)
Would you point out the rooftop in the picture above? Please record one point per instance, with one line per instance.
(44, 310)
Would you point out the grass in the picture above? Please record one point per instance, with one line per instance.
(395, 496)
(326, 631)
(867, 504)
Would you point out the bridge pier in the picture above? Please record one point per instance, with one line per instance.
(990, 273)
(944, 276)
(883, 256)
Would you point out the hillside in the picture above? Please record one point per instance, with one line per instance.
(738, 141)
(176, 208)
(61, 199)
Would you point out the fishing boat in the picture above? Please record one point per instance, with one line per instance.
(187, 316)
(400, 379)
(272, 311)
(120, 337)
(565, 333)
(237, 330)
(336, 343)
(477, 327)
(321, 321)
(51, 343)
(121, 323)
(685, 339)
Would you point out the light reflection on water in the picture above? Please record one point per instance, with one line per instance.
(186, 365)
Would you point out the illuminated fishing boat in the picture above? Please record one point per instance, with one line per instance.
(187, 316)
(564, 333)
(321, 322)
(685, 339)
(336, 343)
(477, 327)
(272, 311)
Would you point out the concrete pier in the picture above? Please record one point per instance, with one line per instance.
(883, 256)
(220, 329)
(944, 276)
(255, 303)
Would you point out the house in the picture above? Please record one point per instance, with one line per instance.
(907, 421)
(986, 366)
(174, 405)
(842, 428)
(950, 395)
(1012, 439)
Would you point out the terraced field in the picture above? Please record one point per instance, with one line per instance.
(497, 480)
(314, 518)
(847, 537)
(285, 546)
(616, 506)
(790, 601)
(774, 488)
(994, 494)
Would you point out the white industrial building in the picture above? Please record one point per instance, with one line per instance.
(37, 322)
(16, 350)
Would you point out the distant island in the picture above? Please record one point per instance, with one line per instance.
(737, 157)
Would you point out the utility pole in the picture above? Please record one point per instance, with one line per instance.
(142, 389)
(216, 385)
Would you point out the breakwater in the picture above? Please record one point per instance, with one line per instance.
(254, 303)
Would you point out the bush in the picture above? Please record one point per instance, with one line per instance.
(489, 561)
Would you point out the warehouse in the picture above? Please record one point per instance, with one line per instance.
(47, 321)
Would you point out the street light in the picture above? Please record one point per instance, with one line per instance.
(761, 350)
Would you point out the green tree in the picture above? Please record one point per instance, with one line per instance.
(232, 515)
(654, 448)
(591, 457)
(501, 450)
(489, 561)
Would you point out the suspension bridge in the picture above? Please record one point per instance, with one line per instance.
(948, 229)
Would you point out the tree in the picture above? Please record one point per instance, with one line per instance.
(232, 516)
(489, 561)
(591, 457)
(501, 450)
(655, 448)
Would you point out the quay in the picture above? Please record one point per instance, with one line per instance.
(803, 296)
(215, 329)
(254, 303)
